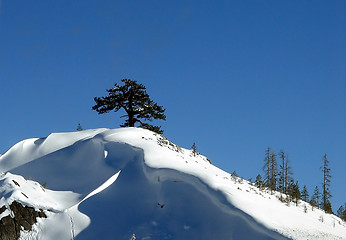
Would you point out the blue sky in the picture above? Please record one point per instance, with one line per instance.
(234, 76)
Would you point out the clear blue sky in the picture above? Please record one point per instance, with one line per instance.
(234, 76)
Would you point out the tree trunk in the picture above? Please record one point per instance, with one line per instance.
(131, 120)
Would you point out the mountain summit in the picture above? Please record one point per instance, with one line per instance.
(131, 183)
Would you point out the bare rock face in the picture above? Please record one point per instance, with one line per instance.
(24, 218)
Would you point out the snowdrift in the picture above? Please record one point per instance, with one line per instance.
(115, 184)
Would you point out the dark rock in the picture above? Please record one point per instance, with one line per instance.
(24, 195)
(8, 229)
(41, 214)
(24, 218)
(2, 209)
(15, 182)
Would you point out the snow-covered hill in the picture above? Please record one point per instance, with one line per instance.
(115, 184)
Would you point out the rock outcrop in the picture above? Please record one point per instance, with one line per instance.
(24, 218)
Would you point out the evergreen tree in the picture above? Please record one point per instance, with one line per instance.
(305, 194)
(340, 211)
(234, 175)
(290, 191)
(285, 173)
(79, 128)
(281, 173)
(270, 169)
(194, 149)
(266, 167)
(133, 237)
(315, 199)
(326, 195)
(295, 193)
(259, 182)
(135, 101)
(273, 171)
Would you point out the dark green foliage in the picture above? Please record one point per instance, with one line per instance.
(273, 170)
(342, 212)
(305, 194)
(152, 128)
(259, 182)
(194, 149)
(79, 128)
(285, 173)
(313, 203)
(270, 169)
(234, 176)
(134, 100)
(294, 192)
(327, 207)
(266, 167)
(326, 195)
(315, 198)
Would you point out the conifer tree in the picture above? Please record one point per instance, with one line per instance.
(79, 127)
(135, 101)
(234, 175)
(285, 173)
(266, 167)
(194, 149)
(273, 171)
(315, 199)
(295, 192)
(305, 194)
(342, 212)
(281, 173)
(326, 195)
(270, 169)
(259, 182)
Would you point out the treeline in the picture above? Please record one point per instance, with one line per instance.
(278, 177)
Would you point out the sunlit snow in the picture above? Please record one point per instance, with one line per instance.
(115, 184)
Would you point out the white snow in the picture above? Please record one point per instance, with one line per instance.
(129, 181)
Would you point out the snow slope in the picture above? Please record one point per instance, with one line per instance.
(111, 184)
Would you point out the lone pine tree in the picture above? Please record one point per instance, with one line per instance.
(135, 101)
(194, 149)
(79, 127)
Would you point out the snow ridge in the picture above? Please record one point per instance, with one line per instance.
(129, 181)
